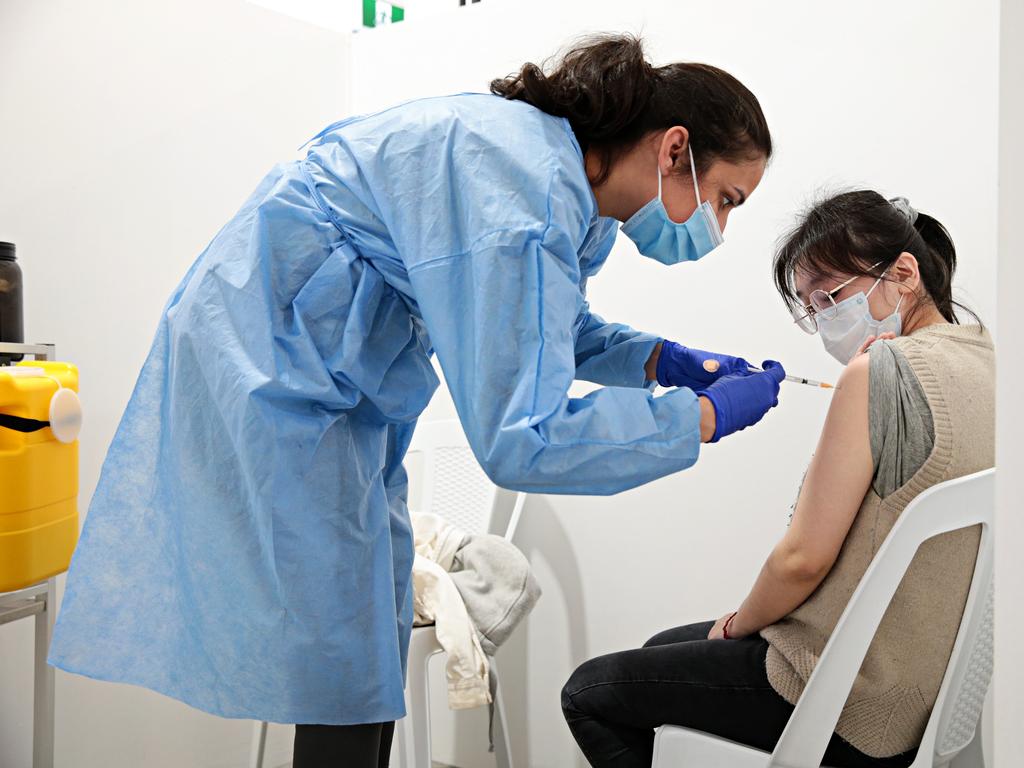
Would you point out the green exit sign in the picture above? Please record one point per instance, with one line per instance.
(377, 12)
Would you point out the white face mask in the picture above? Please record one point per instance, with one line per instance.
(853, 323)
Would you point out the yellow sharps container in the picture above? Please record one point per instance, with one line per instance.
(38, 476)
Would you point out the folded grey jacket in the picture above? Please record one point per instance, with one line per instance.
(494, 589)
(497, 586)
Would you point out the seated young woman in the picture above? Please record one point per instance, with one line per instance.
(913, 408)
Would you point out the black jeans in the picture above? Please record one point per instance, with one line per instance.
(613, 703)
(343, 746)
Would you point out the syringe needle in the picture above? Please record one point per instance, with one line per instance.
(809, 382)
(800, 380)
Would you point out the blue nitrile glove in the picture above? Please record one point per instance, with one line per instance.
(742, 400)
(680, 366)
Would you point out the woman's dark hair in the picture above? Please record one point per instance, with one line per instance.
(612, 98)
(850, 233)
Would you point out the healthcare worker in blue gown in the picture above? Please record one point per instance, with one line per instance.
(248, 548)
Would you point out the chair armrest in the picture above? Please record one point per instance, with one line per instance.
(517, 513)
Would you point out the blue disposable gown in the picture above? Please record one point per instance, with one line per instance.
(248, 548)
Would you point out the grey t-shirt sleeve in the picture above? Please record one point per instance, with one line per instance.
(899, 419)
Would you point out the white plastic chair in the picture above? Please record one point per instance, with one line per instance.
(952, 737)
(445, 479)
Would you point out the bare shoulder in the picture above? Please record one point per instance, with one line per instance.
(856, 371)
(847, 421)
(852, 386)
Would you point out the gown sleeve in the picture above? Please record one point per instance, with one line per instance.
(611, 354)
(501, 312)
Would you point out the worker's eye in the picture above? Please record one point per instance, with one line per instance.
(727, 201)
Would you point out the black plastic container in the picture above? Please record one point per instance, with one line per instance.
(12, 320)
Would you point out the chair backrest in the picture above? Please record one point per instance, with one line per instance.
(949, 506)
(445, 479)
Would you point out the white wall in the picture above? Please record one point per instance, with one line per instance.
(130, 132)
(898, 96)
(1009, 671)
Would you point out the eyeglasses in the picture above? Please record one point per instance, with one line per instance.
(823, 304)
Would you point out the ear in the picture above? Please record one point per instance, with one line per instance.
(672, 153)
(905, 273)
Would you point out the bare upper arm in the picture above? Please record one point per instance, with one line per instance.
(839, 475)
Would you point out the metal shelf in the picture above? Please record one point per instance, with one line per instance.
(38, 601)
(39, 351)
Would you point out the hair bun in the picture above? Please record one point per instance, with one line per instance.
(613, 97)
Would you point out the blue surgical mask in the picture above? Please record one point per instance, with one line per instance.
(852, 323)
(658, 237)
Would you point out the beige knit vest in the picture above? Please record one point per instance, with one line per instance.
(896, 688)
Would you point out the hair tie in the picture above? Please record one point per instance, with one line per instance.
(903, 205)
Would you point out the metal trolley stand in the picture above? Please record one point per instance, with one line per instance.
(38, 601)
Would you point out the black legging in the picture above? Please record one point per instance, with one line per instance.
(613, 703)
(343, 746)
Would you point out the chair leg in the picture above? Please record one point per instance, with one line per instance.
(42, 706)
(502, 743)
(258, 747)
(412, 733)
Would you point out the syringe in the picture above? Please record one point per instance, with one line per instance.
(711, 365)
(810, 382)
(800, 380)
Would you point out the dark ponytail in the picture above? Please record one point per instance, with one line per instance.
(849, 233)
(938, 239)
(612, 97)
